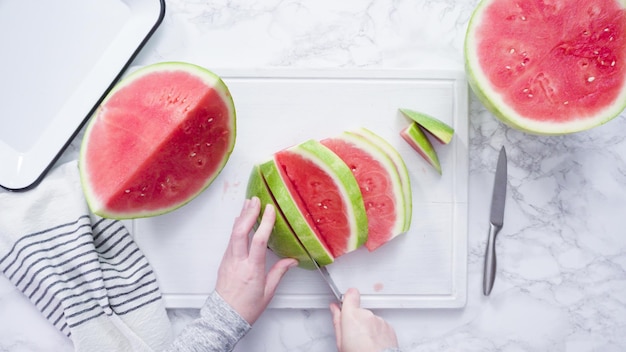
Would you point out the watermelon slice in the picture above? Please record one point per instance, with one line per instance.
(403, 173)
(329, 193)
(158, 139)
(548, 67)
(379, 183)
(283, 241)
(294, 210)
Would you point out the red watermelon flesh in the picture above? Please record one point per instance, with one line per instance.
(379, 183)
(318, 194)
(158, 140)
(553, 63)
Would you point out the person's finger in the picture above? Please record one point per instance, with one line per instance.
(241, 228)
(351, 299)
(258, 247)
(276, 273)
(336, 313)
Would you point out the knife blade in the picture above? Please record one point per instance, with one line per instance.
(496, 221)
(327, 278)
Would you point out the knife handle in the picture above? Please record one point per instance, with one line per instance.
(489, 274)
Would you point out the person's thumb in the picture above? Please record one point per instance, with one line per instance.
(351, 299)
(276, 273)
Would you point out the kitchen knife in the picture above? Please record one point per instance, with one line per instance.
(327, 278)
(496, 221)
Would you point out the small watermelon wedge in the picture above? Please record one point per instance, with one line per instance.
(437, 128)
(418, 140)
(283, 241)
(379, 183)
(159, 138)
(551, 67)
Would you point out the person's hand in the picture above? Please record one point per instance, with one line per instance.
(241, 279)
(358, 329)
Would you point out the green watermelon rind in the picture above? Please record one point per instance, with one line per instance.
(493, 101)
(378, 154)
(212, 80)
(283, 241)
(293, 214)
(337, 169)
(401, 169)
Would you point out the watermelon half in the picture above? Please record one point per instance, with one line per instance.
(158, 139)
(549, 67)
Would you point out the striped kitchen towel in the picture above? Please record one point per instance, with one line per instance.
(84, 273)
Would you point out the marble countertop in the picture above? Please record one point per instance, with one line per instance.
(561, 280)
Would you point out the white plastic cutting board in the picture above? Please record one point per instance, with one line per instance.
(424, 268)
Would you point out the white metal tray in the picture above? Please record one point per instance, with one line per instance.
(424, 268)
(55, 72)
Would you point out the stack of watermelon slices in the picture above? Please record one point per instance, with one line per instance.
(334, 196)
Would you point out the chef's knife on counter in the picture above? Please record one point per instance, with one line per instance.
(496, 221)
(327, 278)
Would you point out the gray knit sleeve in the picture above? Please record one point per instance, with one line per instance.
(218, 329)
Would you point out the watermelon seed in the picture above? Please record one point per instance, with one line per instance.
(210, 120)
(523, 18)
(565, 102)
(208, 144)
(591, 79)
(127, 191)
(512, 51)
(507, 67)
(192, 154)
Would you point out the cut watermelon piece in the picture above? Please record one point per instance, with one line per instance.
(403, 172)
(548, 68)
(329, 192)
(379, 183)
(283, 241)
(294, 210)
(437, 128)
(323, 203)
(418, 140)
(158, 139)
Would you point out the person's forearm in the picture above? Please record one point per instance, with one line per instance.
(218, 329)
